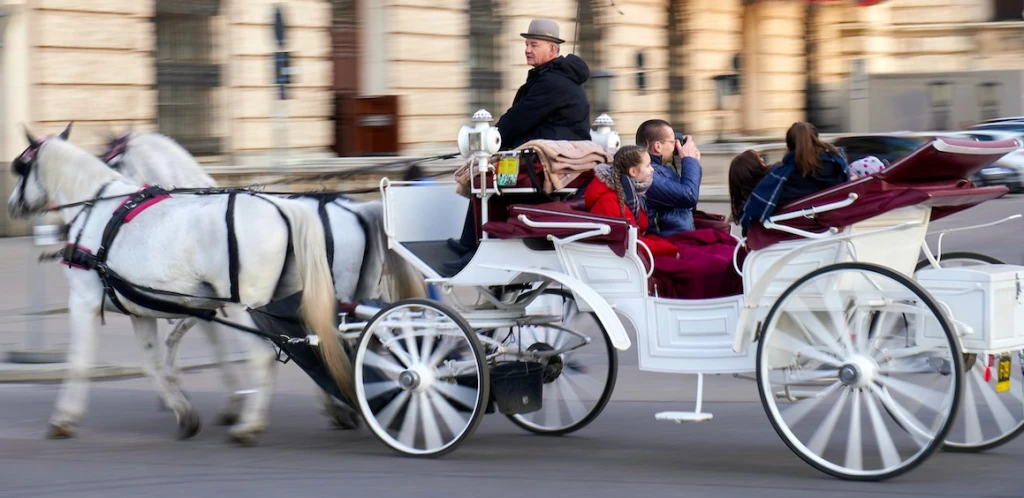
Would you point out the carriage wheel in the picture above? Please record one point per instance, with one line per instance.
(577, 383)
(420, 376)
(859, 371)
(988, 418)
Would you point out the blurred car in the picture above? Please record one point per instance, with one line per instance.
(1009, 169)
(885, 146)
(1002, 124)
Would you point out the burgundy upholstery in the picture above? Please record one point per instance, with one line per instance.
(563, 212)
(934, 174)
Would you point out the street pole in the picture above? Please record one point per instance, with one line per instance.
(282, 78)
(35, 331)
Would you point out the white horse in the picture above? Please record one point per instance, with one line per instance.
(178, 245)
(356, 230)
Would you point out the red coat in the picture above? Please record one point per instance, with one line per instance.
(601, 199)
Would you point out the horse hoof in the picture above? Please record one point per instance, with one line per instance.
(344, 418)
(247, 439)
(58, 432)
(189, 426)
(227, 419)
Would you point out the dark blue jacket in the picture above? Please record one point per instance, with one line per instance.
(672, 197)
(551, 105)
(783, 185)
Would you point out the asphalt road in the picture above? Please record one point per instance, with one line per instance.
(126, 446)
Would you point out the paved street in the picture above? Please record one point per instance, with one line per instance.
(126, 446)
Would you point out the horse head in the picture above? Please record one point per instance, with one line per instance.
(31, 195)
(116, 148)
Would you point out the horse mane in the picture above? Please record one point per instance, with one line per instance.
(80, 170)
(158, 158)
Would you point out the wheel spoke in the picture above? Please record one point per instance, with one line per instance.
(431, 430)
(465, 395)
(410, 423)
(795, 413)
(387, 415)
(927, 398)
(886, 446)
(999, 410)
(374, 389)
(824, 432)
(451, 417)
(377, 361)
(972, 424)
(854, 457)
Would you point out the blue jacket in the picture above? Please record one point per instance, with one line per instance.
(783, 185)
(672, 198)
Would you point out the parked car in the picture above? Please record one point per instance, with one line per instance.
(1009, 169)
(1006, 124)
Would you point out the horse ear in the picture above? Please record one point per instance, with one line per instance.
(67, 132)
(31, 140)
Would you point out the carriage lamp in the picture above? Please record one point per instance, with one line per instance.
(604, 135)
(480, 140)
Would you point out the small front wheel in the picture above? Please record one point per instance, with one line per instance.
(421, 380)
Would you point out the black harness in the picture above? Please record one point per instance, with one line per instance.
(76, 256)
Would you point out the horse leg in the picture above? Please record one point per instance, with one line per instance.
(230, 412)
(172, 342)
(263, 359)
(83, 315)
(147, 337)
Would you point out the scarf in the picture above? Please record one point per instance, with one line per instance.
(633, 192)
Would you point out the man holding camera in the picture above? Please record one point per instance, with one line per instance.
(673, 195)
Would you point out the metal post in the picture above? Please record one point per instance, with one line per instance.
(35, 338)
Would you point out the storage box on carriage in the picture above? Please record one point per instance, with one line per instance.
(987, 298)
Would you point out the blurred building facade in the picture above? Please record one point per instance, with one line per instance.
(711, 67)
(401, 76)
(200, 71)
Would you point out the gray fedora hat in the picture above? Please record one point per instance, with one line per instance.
(543, 29)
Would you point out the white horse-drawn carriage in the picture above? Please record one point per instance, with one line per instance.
(866, 359)
(859, 358)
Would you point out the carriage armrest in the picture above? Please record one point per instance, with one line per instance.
(773, 222)
(560, 219)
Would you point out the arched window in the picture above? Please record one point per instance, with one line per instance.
(484, 57)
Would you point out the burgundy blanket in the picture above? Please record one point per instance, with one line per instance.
(703, 269)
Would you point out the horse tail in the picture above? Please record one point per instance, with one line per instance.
(318, 301)
(406, 282)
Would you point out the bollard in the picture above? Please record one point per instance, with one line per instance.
(35, 333)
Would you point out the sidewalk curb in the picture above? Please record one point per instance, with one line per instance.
(57, 373)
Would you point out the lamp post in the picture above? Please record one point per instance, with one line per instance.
(941, 97)
(603, 134)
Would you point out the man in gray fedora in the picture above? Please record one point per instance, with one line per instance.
(551, 105)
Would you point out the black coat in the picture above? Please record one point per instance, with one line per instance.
(551, 105)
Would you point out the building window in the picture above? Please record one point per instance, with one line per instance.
(186, 74)
(484, 57)
(1007, 10)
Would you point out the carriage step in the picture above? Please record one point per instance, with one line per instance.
(680, 417)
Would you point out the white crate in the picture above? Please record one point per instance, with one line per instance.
(987, 298)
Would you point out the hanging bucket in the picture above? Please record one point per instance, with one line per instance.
(518, 386)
